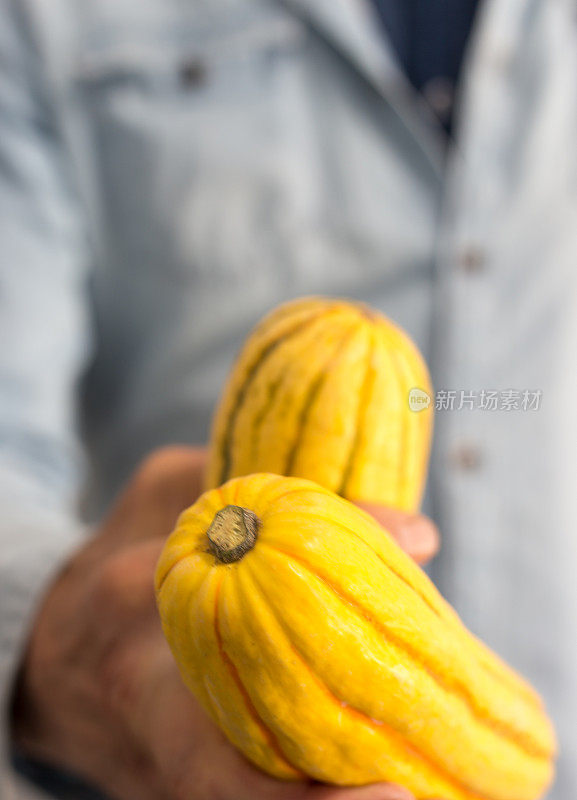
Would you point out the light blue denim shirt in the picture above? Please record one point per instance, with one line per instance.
(172, 169)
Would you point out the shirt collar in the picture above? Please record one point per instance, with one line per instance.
(350, 28)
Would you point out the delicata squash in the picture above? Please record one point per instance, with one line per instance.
(322, 650)
(321, 390)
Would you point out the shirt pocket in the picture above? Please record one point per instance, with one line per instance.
(189, 124)
(221, 54)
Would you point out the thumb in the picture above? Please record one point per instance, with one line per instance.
(165, 483)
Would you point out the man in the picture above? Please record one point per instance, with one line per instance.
(168, 172)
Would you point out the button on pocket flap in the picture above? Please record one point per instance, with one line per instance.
(188, 53)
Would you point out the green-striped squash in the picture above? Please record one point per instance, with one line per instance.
(321, 390)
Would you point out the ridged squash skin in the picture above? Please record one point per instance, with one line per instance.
(320, 390)
(324, 651)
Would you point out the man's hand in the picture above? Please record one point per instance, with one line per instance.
(100, 694)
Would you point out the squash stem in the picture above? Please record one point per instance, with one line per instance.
(232, 533)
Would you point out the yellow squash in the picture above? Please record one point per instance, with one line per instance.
(322, 650)
(321, 391)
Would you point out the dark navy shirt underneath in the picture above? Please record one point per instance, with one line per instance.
(429, 38)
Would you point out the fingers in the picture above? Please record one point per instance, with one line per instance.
(256, 784)
(263, 787)
(415, 533)
(244, 782)
(377, 791)
(193, 757)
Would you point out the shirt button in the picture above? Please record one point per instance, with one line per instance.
(472, 259)
(466, 456)
(193, 73)
(440, 93)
